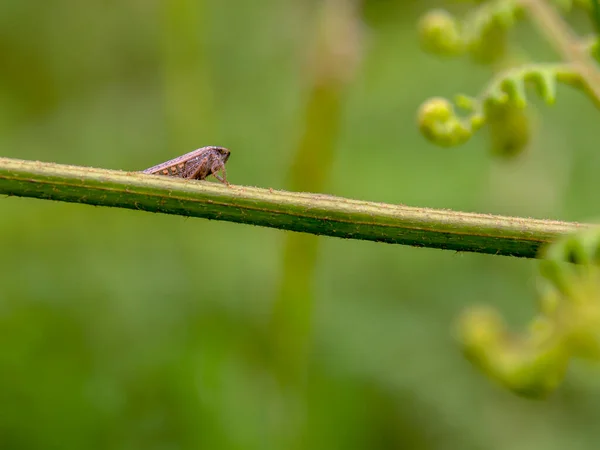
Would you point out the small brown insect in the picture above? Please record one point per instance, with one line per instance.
(196, 165)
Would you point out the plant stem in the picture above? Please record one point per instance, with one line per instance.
(334, 55)
(310, 213)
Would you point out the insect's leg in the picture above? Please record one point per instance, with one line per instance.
(224, 171)
(221, 179)
(215, 172)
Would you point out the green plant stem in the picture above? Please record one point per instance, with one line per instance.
(310, 213)
(595, 15)
(334, 55)
(311, 167)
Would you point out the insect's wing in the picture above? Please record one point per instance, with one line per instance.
(174, 167)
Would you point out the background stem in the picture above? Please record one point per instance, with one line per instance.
(557, 32)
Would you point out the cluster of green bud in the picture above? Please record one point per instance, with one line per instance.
(481, 34)
(502, 105)
(534, 362)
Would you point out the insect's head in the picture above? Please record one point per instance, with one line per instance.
(223, 153)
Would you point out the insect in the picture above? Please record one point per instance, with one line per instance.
(196, 165)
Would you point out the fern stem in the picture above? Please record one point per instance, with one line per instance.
(310, 213)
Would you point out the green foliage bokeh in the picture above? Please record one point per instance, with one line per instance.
(122, 329)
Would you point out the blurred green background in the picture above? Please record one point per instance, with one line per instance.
(122, 330)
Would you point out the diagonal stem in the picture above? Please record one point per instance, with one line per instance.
(562, 38)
